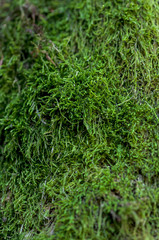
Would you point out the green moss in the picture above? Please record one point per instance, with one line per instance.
(79, 119)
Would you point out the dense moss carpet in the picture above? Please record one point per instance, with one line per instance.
(79, 120)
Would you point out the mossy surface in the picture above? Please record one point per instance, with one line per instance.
(79, 119)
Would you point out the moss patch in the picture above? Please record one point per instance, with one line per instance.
(79, 119)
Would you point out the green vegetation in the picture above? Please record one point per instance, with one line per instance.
(79, 119)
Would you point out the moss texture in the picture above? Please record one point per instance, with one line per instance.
(79, 119)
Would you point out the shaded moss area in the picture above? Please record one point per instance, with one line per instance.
(79, 119)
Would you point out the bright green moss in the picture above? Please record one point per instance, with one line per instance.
(79, 120)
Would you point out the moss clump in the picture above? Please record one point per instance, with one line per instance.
(78, 119)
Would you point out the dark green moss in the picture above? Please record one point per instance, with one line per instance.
(79, 119)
